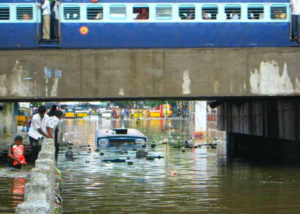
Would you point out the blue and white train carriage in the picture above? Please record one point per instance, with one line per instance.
(150, 24)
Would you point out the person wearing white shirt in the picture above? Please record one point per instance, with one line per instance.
(46, 18)
(38, 130)
(295, 6)
(53, 125)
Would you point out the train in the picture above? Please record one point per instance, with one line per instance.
(115, 24)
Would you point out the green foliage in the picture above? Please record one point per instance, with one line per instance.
(57, 210)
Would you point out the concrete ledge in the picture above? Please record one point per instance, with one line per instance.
(40, 190)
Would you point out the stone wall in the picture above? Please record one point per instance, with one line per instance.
(40, 190)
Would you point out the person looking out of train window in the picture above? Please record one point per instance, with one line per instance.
(26, 16)
(251, 15)
(206, 15)
(56, 18)
(99, 16)
(46, 18)
(279, 14)
(190, 14)
(234, 15)
(295, 6)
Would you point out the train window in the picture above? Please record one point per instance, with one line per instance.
(4, 13)
(95, 13)
(187, 12)
(278, 12)
(233, 12)
(255, 11)
(141, 13)
(24, 13)
(164, 12)
(118, 12)
(209, 11)
(72, 13)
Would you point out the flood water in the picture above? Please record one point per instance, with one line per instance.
(12, 183)
(204, 181)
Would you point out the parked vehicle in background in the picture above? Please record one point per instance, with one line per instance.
(70, 113)
(23, 116)
(80, 112)
(106, 114)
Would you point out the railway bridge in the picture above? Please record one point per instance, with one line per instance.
(256, 89)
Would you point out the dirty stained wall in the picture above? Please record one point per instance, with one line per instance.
(203, 73)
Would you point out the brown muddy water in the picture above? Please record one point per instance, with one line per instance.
(205, 181)
(12, 183)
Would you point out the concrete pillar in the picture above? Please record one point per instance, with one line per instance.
(266, 129)
(8, 119)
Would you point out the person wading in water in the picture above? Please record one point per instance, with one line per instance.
(16, 153)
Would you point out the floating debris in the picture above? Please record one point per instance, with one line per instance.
(150, 158)
(153, 145)
(69, 155)
(173, 173)
(115, 160)
(96, 185)
(130, 162)
(141, 180)
(141, 154)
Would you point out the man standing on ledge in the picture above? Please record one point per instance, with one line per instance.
(38, 130)
(295, 6)
(46, 18)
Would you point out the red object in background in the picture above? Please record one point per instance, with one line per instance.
(161, 108)
(94, 1)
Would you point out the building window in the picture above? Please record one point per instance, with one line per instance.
(24, 13)
(164, 12)
(95, 13)
(4, 13)
(278, 12)
(118, 12)
(140, 13)
(187, 12)
(209, 11)
(233, 12)
(72, 13)
(255, 12)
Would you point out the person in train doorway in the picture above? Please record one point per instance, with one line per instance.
(56, 18)
(16, 153)
(295, 6)
(38, 130)
(46, 8)
(52, 129)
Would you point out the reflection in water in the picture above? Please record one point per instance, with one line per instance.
(204, 182)
(11, 192)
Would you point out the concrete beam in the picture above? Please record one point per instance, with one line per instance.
(152, 73)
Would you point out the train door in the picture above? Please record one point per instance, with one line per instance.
(48, 24)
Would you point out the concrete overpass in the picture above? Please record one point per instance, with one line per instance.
(149, 73)
(256, 89)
